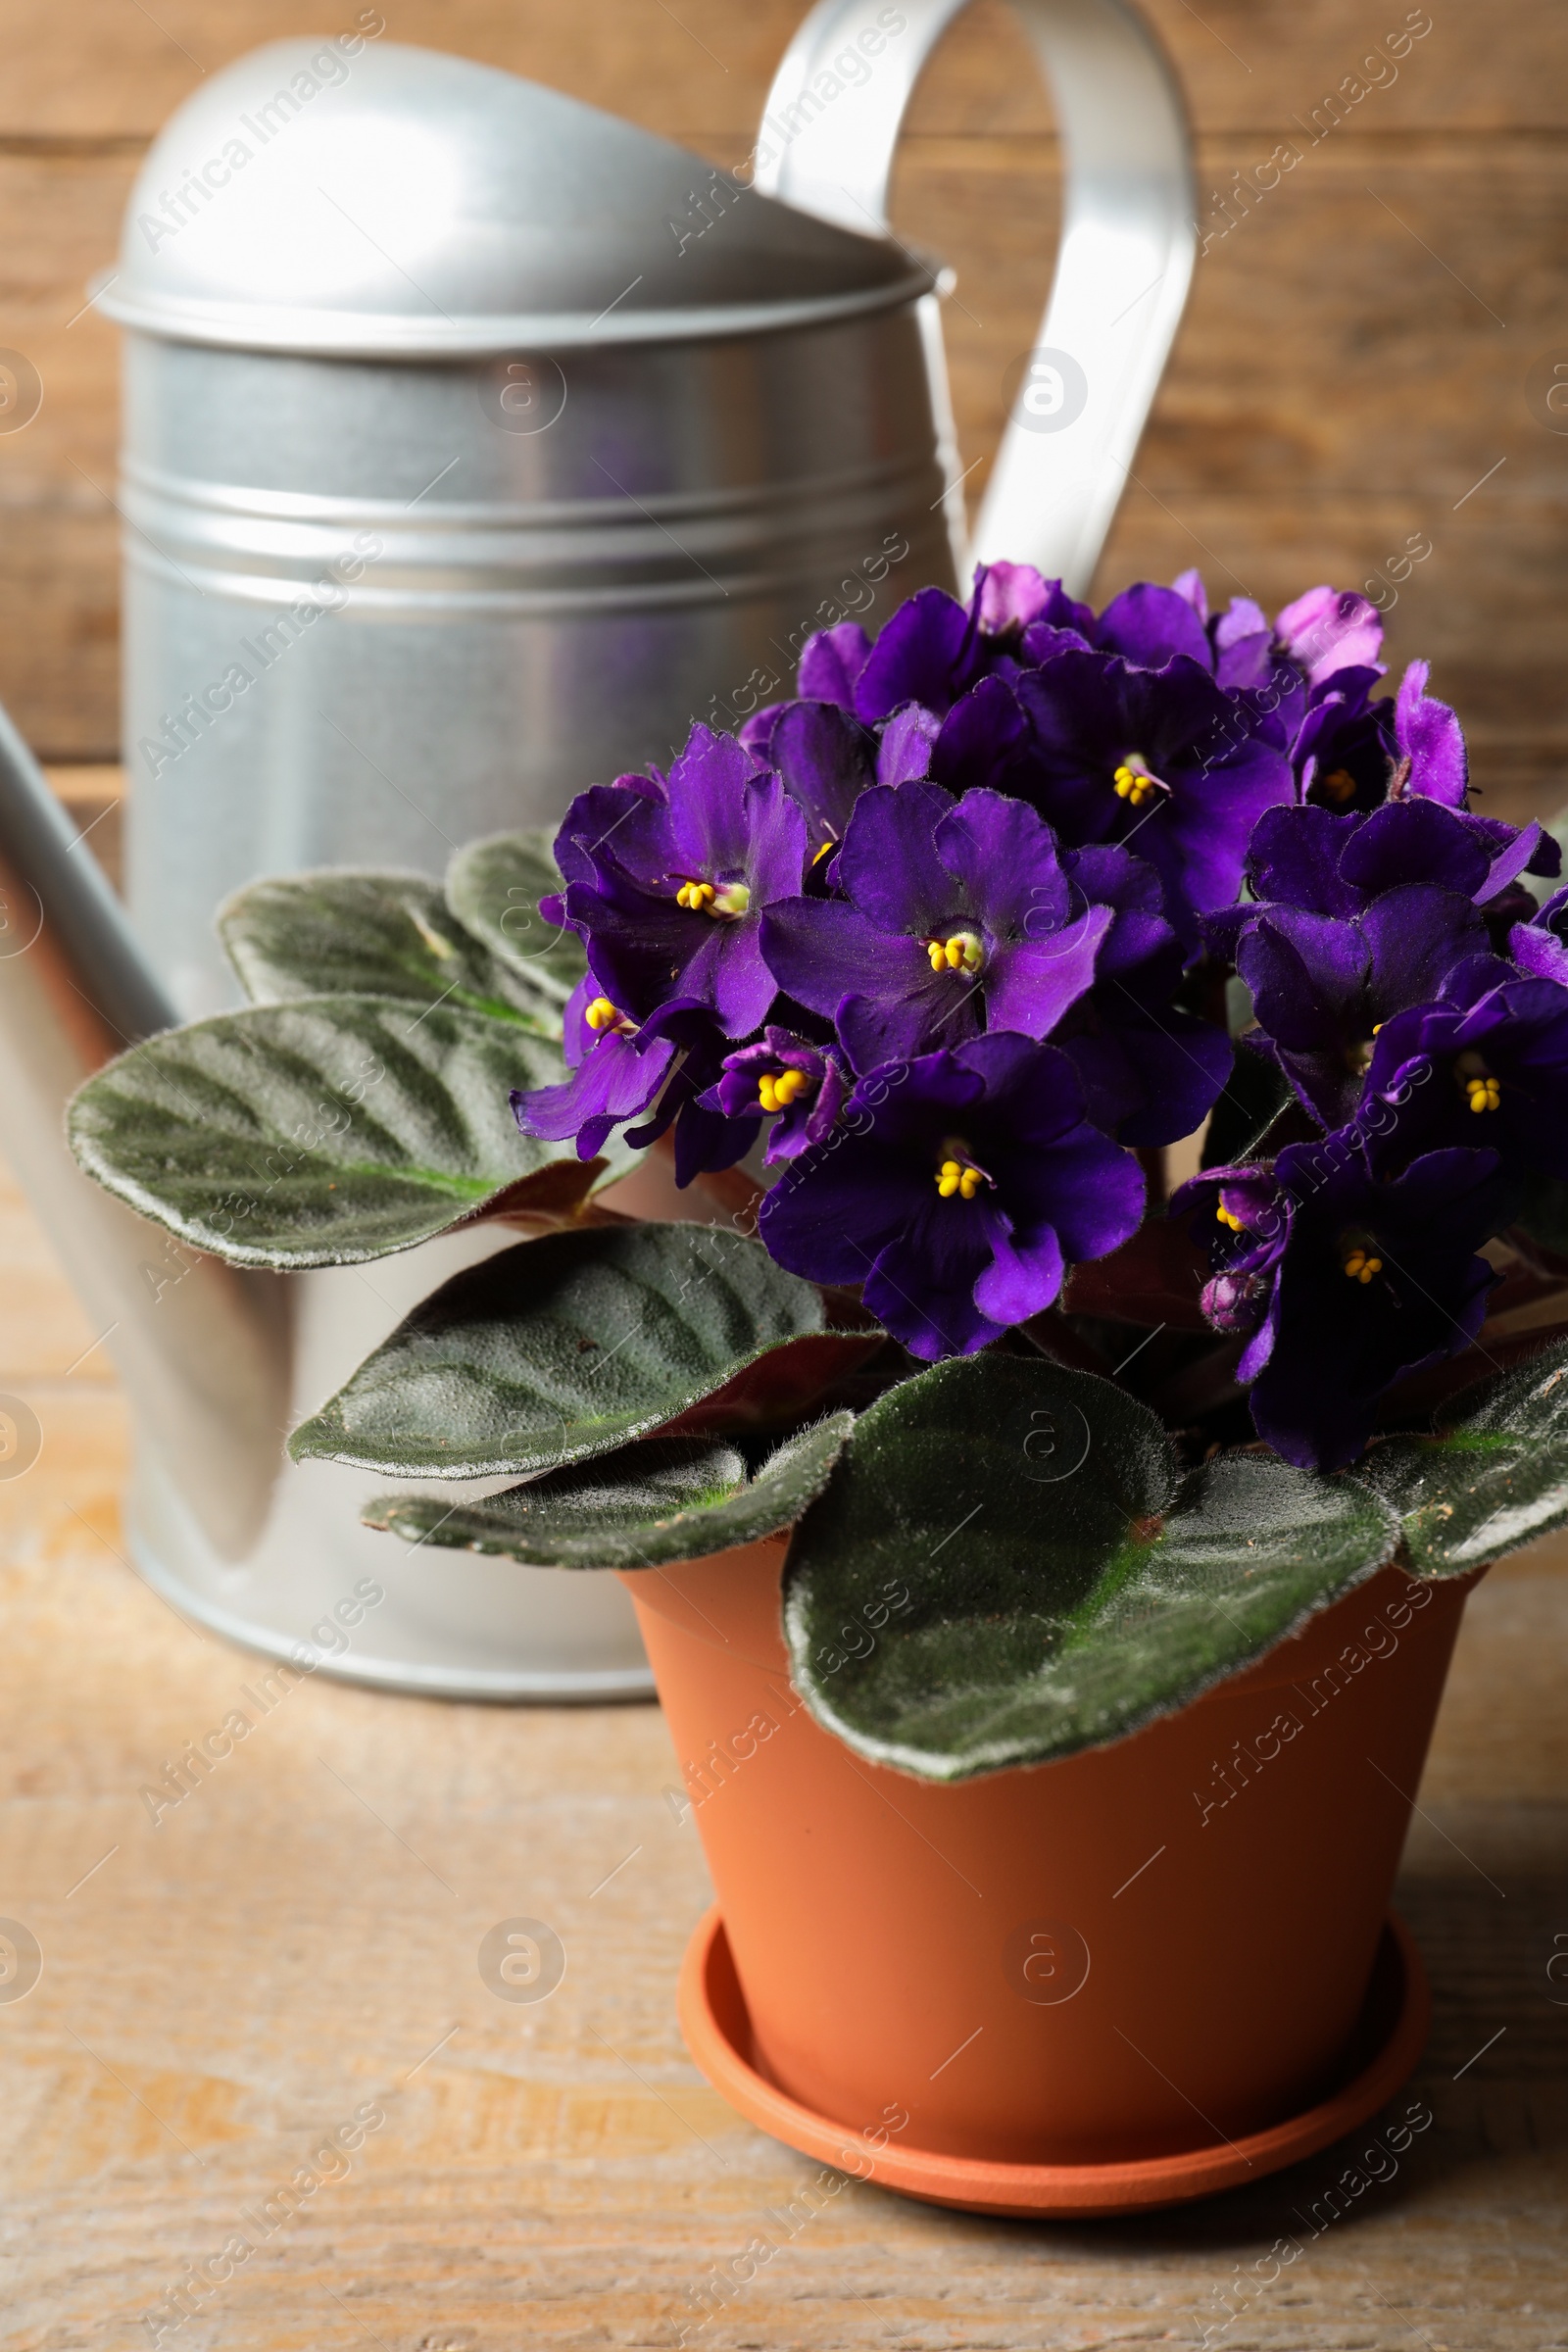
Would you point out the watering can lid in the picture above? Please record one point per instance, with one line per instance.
(369, 200)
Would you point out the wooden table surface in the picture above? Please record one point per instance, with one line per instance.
(298, 1941)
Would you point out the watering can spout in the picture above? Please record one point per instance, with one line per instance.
(201, 1348)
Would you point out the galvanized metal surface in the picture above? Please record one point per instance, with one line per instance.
(218, 1362)
(1122, 272)
(366, 618)
(478, 443)
(475, 444)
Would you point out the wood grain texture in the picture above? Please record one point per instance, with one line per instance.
(1353, 362)
(298, 1939)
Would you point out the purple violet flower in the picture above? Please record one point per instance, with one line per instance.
(956, 918)
(933, 649)
(1324, 632)
(1312, 861)
(1164, 759)
(1539, 945)
(1148, 625)
(1322, 985)
(1330, 630)
(1150, 1072)
(827, 759)
(1487, 1064)
(805, 1085)
(667, 887)
(956, 1188)
(1013, 598)
(1353, 754)
(670, 1058)
(1346, 1281)
(832, 662)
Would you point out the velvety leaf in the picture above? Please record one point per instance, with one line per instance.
(659, 1500)
(494, 888)
(323, 1131)
(561, 1348)
(371, 935)
(1491, 1477)
(1007, 1567)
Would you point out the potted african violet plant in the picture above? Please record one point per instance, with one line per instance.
(1049, 1576)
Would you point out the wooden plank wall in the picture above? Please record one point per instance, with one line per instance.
(1354, 374)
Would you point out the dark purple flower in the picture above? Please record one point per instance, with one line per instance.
(624, 1070)
(1164, 759)
(1328, 864)
(1326, 631)
(1346, 1281)
(1150, 1072)
(1352, 754)
(956, 1188)
(1539, 945)
(1487, 1064)
(930, 652)
(933, 649)
(1321, 863)
(827, 759)
(1344, 751)
(956, 918)
(1149, 626)
(903, 754)
(1322, 985)
(831, 664)
(668, 888)
(784, 1075)
(1431, 757)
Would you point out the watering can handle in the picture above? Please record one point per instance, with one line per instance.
(1128, 243)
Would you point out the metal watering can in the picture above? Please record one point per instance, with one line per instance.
(475, 442)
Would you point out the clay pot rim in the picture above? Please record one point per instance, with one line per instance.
(1398, 2017)
(1277, 1669)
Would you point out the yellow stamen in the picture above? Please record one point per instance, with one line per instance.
(701, 898)
(1361, 1265)
(829, 844)
(1225, 1218)
(963, 952)
(601, 1015)
(1338, 785)
(1135, 784)
(777, 1089)
(1482, 1090)
(954, 1179)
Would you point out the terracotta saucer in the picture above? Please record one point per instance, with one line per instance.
(1388, 2042)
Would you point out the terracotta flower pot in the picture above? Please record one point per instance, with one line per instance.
(1152, 1956)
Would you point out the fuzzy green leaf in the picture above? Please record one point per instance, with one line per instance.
(324, 1131)
(1007, 1567)
(341, 934)
(659, 1500)
(1494, 1476)
(565, 1347)
(494, 888)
